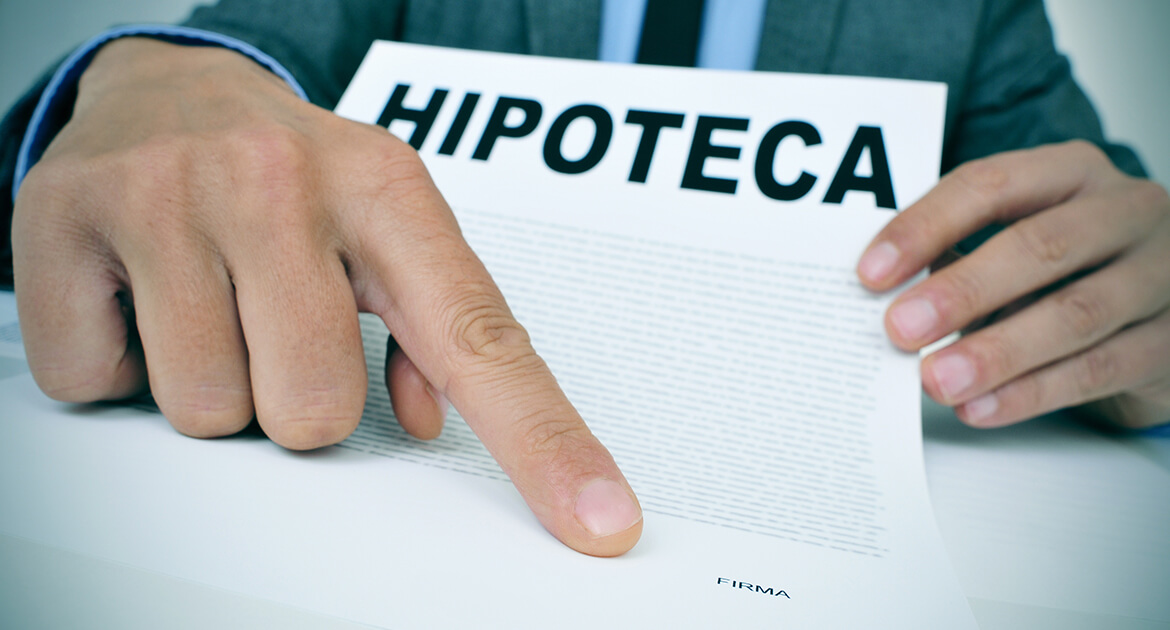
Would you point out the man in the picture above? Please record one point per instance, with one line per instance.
(196, 217)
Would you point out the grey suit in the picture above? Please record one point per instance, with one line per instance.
(1008, 86)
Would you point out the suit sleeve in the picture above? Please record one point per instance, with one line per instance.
(11, 133)
(321, 42)
(1020, 91)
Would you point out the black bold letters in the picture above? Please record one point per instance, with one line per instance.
(652, 124)
(879, 183)
(701, 149)
(516, 117)
(602, 134)
(423, 119)
(766, 160)
(496, 127)
(459, 125)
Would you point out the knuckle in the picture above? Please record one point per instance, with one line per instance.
(1086, 150)
(986, 178)
(270, 161)
(1152, 196)
(1033, 394)
(994, 355)
(394, 168)
(268, 150)
(480, 327)
(1086, 315)
(1022, 398)
(273, 180)
(54, 207)
(48, 212)
(963, 293)
(551, 439)
(1047, 245)
(394, 155)
(1096, 373)
(911, 227)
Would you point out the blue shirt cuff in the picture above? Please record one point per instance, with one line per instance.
(57, 99)
(1160, 431)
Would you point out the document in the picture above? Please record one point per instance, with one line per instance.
(680, 245)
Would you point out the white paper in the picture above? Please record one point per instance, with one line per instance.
(718, 344)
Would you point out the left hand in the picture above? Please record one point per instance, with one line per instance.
(1077, 286)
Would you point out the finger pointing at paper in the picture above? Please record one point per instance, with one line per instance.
(1076, 288)
(198, 226)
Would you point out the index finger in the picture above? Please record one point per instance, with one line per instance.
(997, 189)
(449, 317)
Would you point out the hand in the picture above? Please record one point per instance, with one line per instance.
(198, 227)
(1077, 284)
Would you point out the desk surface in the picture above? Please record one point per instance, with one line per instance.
(1055, 517)
(1049, 525)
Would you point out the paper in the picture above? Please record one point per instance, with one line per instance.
(716, 340)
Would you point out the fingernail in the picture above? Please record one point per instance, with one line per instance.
(953, 373)
(914, 319)
(605, 508)
(878, 262)
(981, 408)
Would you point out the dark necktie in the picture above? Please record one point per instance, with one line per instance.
(670, 32)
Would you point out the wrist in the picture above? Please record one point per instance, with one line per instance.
(130, 61)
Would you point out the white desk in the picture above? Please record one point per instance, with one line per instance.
(1051, 524)
(1048, 524)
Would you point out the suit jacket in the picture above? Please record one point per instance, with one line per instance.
(1008, 86)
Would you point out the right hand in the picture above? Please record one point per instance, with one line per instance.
(198, 229)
